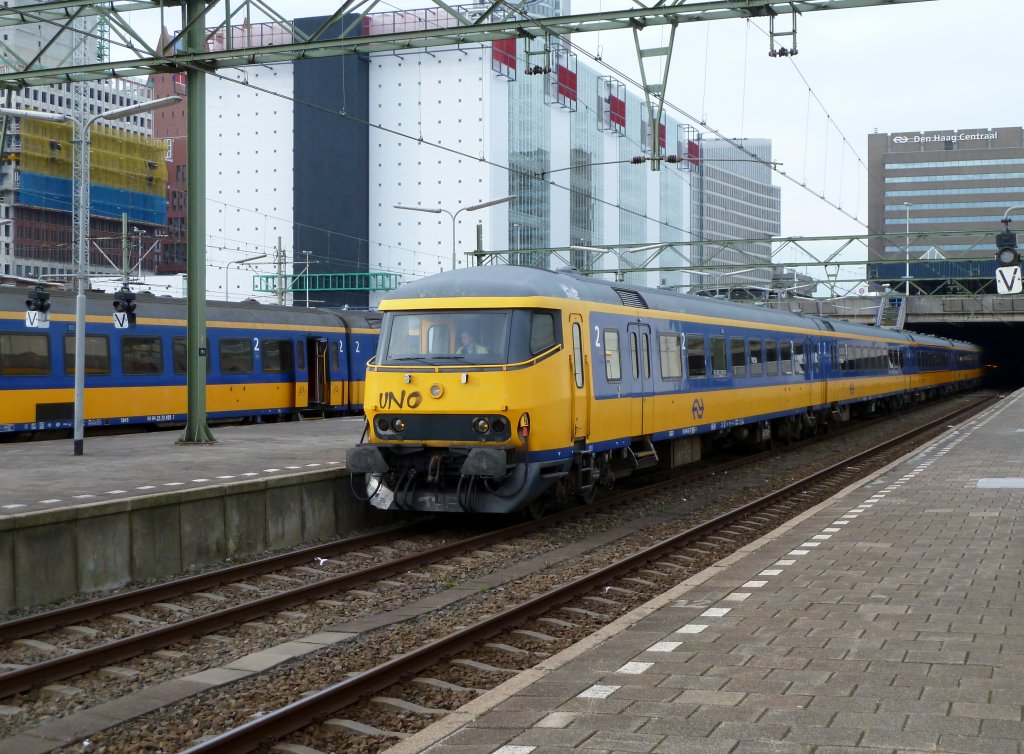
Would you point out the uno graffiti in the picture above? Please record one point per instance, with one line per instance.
(389, 400)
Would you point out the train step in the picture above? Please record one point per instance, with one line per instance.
(645, 458)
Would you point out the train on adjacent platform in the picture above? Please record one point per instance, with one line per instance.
(494, 387)
(264, 362)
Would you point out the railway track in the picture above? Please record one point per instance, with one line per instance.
(375, 676)
(699, 546)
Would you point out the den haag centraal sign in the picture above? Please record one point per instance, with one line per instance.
(926, 138)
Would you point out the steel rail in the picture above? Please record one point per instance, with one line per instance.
(315, 707)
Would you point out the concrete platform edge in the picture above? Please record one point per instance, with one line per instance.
(463, 716)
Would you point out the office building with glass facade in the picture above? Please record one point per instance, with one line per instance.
(927, 183)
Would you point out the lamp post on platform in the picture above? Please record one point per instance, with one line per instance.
(455, 214)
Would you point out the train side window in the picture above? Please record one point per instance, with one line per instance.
(771, 357)
(634, 353)
(577, 353)
(179, 355)
(236, 356)
(141, 354)
(842, 358)
(798, 357)
(277, 355)
(300, 355)
(786, 347)
(24, 355)
(738, 353)
(542, 332)
(756, 358)
(719, 360)
(645, 355)
(670, 350)
(612, 357)
(335, 349)
(696, 365)
(97, 354)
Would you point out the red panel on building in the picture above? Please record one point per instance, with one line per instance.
(661, 135)
(693, 152)
(618, 107)
(504, 52)
(566, 83)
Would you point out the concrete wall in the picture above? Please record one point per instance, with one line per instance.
(57, 554)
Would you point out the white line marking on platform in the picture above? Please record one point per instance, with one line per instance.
(200, 481)
(715, 612)
(511, 749)
(692, 628)
(83, 497)
(770, 572)
(115, 492)
(635, 668)
(597, 692)
(798, 552)
(173, 484)
(736, 596)
(664, 646)
(147, 487)
(250, 473)
(754, 584)
(227, 476)
(14, 505)
(270, 471)
(51, 500)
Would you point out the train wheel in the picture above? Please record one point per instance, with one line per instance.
(535, 510)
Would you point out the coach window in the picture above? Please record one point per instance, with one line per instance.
(542, 332)
(771, 357)
(738, 354)
(841, 358)
(24, 355)
(634, 354)
(798, 357)
(696, 366)
(141, 354)
(756, 358)
(97, 354)
(179, 355)
(277, 355)
(612, 357)
(787, 356)
(671, 351)
(645, 354)
(577, 353)
(719, 360)
(236, 356)
(335, 349)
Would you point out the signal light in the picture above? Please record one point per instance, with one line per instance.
(38, 300)
(1007, 254)
(124, 303)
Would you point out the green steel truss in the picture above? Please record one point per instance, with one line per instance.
(344, 281)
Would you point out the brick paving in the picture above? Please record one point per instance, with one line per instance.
(887, 620)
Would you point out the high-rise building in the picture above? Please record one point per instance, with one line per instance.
(341, 177)
(932, 182)
(128, 171)
(734, 198)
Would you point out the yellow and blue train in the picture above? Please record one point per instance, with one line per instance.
(492, 386)
(264, 361)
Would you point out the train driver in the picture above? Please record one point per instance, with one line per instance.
(469, 344)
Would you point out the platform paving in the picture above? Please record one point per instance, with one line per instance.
(46, 475)
(888, 619)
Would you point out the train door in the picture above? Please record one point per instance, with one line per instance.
(301, 376)
(581, 383)
(639, 336)
(318, 375)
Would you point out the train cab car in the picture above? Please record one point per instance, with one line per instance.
(263, 362)
(492, 386)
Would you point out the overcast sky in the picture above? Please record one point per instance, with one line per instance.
(918, 66)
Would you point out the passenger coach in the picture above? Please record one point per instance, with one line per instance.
(494, 385)
(264, 361)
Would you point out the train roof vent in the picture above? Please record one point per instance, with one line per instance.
(631, 298)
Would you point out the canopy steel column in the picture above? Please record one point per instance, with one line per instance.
(196, 428)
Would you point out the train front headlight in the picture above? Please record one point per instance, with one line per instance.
(481, 425)
(398, 425)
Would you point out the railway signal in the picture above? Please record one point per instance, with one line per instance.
(124, 308)
(37, 305)
(1007, 254)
